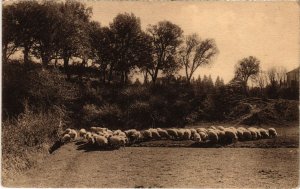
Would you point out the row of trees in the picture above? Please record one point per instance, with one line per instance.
(61, 30)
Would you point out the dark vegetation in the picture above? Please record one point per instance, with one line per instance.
(84, 78)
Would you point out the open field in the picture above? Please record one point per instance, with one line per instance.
(165, 167)
(239, 165)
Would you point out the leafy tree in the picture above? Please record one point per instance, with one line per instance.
(130, 45)
(195, 53)
(166, 38)
(219, 82)
(245, 69)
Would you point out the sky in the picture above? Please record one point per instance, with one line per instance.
(266, 30)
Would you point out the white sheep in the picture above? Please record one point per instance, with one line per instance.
(193, 131)
(197, 137)
(240, 134)
(221, 128)
(147, 134)
(130, 132)
(100, 140)
(203, 136)
(253, 132)
(201, 130)
(264, 133)
(272, 132)
(67, 131)
(247, 135)
(89, 137)
(172, 133)
(155, 133)
(82, 133)
(180, 133)
(116, 141)
(66, 138)
(212, 136)
(73, 134)
(187, 134)
(230, 135)
(163, 133)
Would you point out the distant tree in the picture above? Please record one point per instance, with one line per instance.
(195, 53)
(219, 82)
(166, 38)
(245, 69)
(272, 76)
(261, 81)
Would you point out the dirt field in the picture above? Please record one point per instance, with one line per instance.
(267, 163)
(165, 167)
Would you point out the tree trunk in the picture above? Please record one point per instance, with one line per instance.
(66, 67)
(26, 56)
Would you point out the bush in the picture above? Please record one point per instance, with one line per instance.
(24, 137)
(139, 115)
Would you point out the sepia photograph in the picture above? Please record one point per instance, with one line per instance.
(150, 94)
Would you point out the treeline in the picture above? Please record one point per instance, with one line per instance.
(54, 31)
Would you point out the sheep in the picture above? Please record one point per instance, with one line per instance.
(130, 132)
(82, 133)
(253, 132)
(116, 141)
(197, 137)
(264, 133)
(67, 131)
(155, 134)
(172, 133)
(180, 133)
(66, 138)
(201, 130)
(203, 136)
(221, 128)
(89, 137)
(147, 134)
(163, 133)
(240, 134)
(230, 136)
(221, 135)
(98, 129)
(100, 140)
(272, 133)
(212, 127)
(187, 134)
(73, 134)
(247, 135)
(118, 132)
(212, 136)
(136, 136)
(193, 131)
(233, 129)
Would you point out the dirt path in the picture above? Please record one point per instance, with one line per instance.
(164, 167)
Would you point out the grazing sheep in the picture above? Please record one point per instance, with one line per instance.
(240, 134)
(155, 134)
(66, 138)
(264, 133)
(163, 133)
(172, 133)
(130, 132)
(272, 133)
(221, 128)
(193, 131)
(67, 131)
(82, 133)
(101, 140)
(233, 129)
(253, 132)
(147, 135)
(203, 136)
(116, 141)
(135, 137)
(180, 133)
(197, 137)
(201, 130)
(247, 135)
(230, 136)
(212, 136)
(187, 134)
(212, 127)
(221, 135)
(118, 132)
(73, 134)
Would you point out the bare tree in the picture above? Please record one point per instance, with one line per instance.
(272, 76)
(261, 80)
(195, 53)
(281, 75)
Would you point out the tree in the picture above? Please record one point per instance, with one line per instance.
(219, 82)
(9, 43)
(131, 46)
(72, 39)
(261, 81)
(195, 53)
(165, 38)
(245, 69)
(22, 20)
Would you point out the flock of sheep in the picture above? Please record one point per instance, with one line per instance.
(105, 138)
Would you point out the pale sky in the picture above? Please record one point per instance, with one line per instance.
(267, 30)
